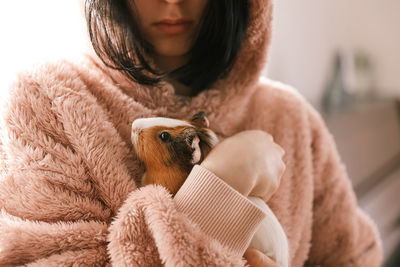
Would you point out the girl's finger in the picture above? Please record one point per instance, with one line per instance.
(257, 259)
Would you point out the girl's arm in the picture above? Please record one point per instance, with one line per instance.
(207, 223)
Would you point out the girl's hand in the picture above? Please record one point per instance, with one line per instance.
(257, 259)
(249, 161)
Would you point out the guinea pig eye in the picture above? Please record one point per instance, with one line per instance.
(165, 136)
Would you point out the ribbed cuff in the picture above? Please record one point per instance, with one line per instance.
(220, 211)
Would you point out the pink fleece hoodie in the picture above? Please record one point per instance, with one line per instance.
(68, 169)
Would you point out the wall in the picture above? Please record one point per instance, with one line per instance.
(307, 33)
(38, 31)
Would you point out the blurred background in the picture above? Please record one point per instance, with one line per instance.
(343, 56)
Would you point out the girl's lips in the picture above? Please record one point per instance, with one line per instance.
(173, 26)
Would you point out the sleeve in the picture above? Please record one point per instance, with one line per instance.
(342, 234)
(220, 211)
(63, 200)
(49, 213)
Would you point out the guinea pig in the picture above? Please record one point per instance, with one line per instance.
(169, 148)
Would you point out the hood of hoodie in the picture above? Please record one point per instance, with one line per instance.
(232, 91)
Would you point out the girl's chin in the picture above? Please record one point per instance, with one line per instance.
(171, 53)
(172, 49)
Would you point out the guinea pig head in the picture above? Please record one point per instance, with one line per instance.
(169, 147)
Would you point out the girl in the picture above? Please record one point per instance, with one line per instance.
(67, 190)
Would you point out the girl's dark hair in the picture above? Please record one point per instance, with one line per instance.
(119, 44)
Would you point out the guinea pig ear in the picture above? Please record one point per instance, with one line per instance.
(200, 120)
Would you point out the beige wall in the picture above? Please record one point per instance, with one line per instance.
(306, 33)
(38, 31)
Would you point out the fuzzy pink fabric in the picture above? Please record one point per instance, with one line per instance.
(68, 170)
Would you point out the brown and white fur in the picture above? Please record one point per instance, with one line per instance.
(169, 148)
(168, 162)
